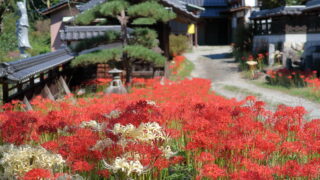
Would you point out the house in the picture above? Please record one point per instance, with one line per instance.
(294, 30)
(61, 14)
(240, 12)
(213, 27)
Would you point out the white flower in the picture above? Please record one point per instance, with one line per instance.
(167, 152)
(91, 124)
(17, 160)
(252, 63)
(152, 103)
(113, 114)
(146, 132)
(125, 165)
(102, 144)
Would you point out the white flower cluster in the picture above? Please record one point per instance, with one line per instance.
(125, 165)
(146, 132)
(167, 152)
(113, 114)
(93, 125)
(17, 160)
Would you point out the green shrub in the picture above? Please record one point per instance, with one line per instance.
(178, 44)
(242, 42)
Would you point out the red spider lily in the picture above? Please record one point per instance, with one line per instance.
(221, 138)
(36, 174)
(81, 166)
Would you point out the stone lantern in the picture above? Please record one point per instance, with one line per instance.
(116, 86)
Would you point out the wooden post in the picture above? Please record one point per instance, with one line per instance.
(5, 92)
(41, 77)
(19, 86)
(196, 36)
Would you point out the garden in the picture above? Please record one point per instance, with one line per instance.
(171, 130)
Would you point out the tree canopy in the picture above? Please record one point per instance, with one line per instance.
(134, 14)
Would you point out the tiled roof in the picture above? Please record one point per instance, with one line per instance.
(312, 5)
(89, 5)
(25, 68)
(206, 3)
(181, 6)
(280, 11)
(74, 33)
(212, 12)
(55, 6)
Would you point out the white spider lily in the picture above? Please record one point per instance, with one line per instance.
(17, 160)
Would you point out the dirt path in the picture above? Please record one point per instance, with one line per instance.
(213, 63)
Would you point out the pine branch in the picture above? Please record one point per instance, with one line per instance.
(152, 10)
(143, 53)
(113, 8)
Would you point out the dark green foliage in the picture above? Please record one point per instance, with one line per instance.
(181, 172)
(113, 8)
(178, 44)
(133, 52)
(109, 37)
(102, 56)
(86, 18)
(242, 41)
(145, 37)
(8, 40)
(140, 52)
(151, 9)
(130, 12)
(144, 21)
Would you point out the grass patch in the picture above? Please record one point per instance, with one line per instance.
(241, 90)
(184, 71)
(305, 92)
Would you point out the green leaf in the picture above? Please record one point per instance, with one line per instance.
(144, 21)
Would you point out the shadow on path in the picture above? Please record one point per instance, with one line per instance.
(219, 56)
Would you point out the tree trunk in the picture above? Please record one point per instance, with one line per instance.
(123, 19)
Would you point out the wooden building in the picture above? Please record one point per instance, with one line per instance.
(290, 29)
(240, 12)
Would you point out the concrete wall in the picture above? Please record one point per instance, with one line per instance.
(287, 39)
(57, 25)
(289, 44)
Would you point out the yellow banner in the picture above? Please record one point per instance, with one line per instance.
(191, 29)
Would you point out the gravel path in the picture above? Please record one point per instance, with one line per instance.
(213, 63)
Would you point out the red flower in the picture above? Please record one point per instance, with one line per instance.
(81, 166)
(37, 174)
(212, 171)
(104, 173)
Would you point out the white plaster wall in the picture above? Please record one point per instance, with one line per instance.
(252, 3)
(289, 38)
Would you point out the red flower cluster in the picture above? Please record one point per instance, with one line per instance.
(217, 137)
(177, 62)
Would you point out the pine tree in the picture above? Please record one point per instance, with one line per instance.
(133, 13)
